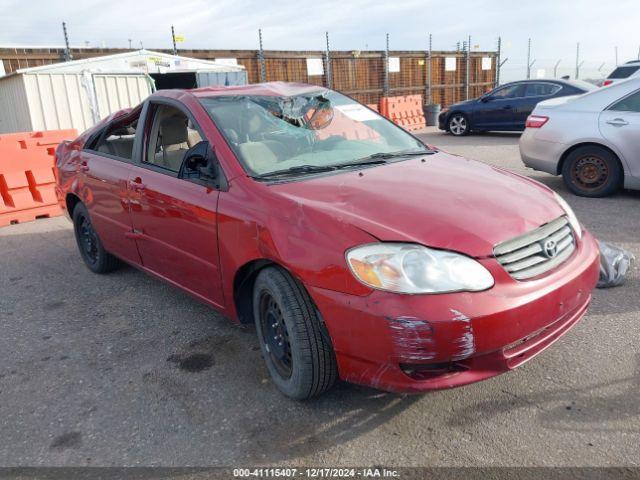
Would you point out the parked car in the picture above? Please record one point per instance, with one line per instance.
(628, 70)
(593, 141)
(506, 107)
(358, 251)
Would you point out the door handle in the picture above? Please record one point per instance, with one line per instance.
(135, 235)
(618, 122)
(507, 107)
(136, 184)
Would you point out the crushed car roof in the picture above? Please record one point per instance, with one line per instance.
(271, 89)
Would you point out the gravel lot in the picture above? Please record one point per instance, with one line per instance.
(125, 370)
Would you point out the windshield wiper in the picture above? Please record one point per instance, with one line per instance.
(298, 169)
(390, 155)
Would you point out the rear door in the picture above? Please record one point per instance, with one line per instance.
(620, 125)
(496, 110)
(534, 93)
(174, 219)
(104, 169)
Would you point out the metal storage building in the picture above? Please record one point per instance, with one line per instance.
(78, 94)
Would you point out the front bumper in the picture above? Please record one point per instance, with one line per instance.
(416, 343)
(442, 120)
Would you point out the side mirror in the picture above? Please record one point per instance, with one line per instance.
(199, 162)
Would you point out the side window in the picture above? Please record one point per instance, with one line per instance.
(172, 134)
(541, 89)
(117, 139)
(627, 104)
(512, 91)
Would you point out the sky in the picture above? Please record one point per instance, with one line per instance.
(555, 27)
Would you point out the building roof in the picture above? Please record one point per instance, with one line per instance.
(146, 61)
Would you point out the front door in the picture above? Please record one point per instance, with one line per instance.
(620, 125)
(174, 219)
(496, 111)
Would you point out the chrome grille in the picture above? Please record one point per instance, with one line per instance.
(537, 251)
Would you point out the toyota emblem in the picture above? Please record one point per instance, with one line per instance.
(550, 248)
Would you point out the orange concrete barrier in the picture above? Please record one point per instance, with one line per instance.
(405, 111)
(27, 183)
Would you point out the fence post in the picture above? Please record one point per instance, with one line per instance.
(498, 60)
(173, 40)
(327, 60)
(385, 85)
(467, 68)
(529, 59)
(429, 96)
(578, 61)
(67, 51)
(261, 61)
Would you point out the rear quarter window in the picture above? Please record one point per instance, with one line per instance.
(624, 72)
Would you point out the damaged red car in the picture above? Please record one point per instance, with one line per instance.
(359, 252)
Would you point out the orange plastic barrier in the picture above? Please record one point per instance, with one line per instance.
(404, 111)
(27, 183)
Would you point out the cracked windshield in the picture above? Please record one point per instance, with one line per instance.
(319, 131)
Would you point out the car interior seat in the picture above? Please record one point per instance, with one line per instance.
(173, 139)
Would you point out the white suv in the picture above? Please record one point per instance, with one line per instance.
(628, 70)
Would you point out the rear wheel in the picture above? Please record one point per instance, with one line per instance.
(298, 353)
(93, 253)
(592, 171)
(458, 125)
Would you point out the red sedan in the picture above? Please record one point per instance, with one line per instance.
(357, 251)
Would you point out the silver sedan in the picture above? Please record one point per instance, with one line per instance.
(592, 140)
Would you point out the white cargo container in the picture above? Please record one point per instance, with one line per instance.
(78, 94)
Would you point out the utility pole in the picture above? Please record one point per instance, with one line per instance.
(529, 59)
(67, 51)
(578, 64)
(327, 70)
(555, 69)
(498, 55)
(173, 39)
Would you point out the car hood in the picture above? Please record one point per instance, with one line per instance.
(445, 202)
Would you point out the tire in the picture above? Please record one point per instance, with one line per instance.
(458, 125)
(592, 171)
(294, 344)
(95, 257)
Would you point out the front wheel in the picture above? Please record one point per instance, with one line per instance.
(93, 253)
(458, 125)
(592, 171)
(298, 353)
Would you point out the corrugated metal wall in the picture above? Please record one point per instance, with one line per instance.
(14, 108)
(44, 101)
(115, 92)
(58, 101)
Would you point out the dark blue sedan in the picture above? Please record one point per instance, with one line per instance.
(506, 107)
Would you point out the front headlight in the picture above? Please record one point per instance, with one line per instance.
(412, 268)
(573, 220)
